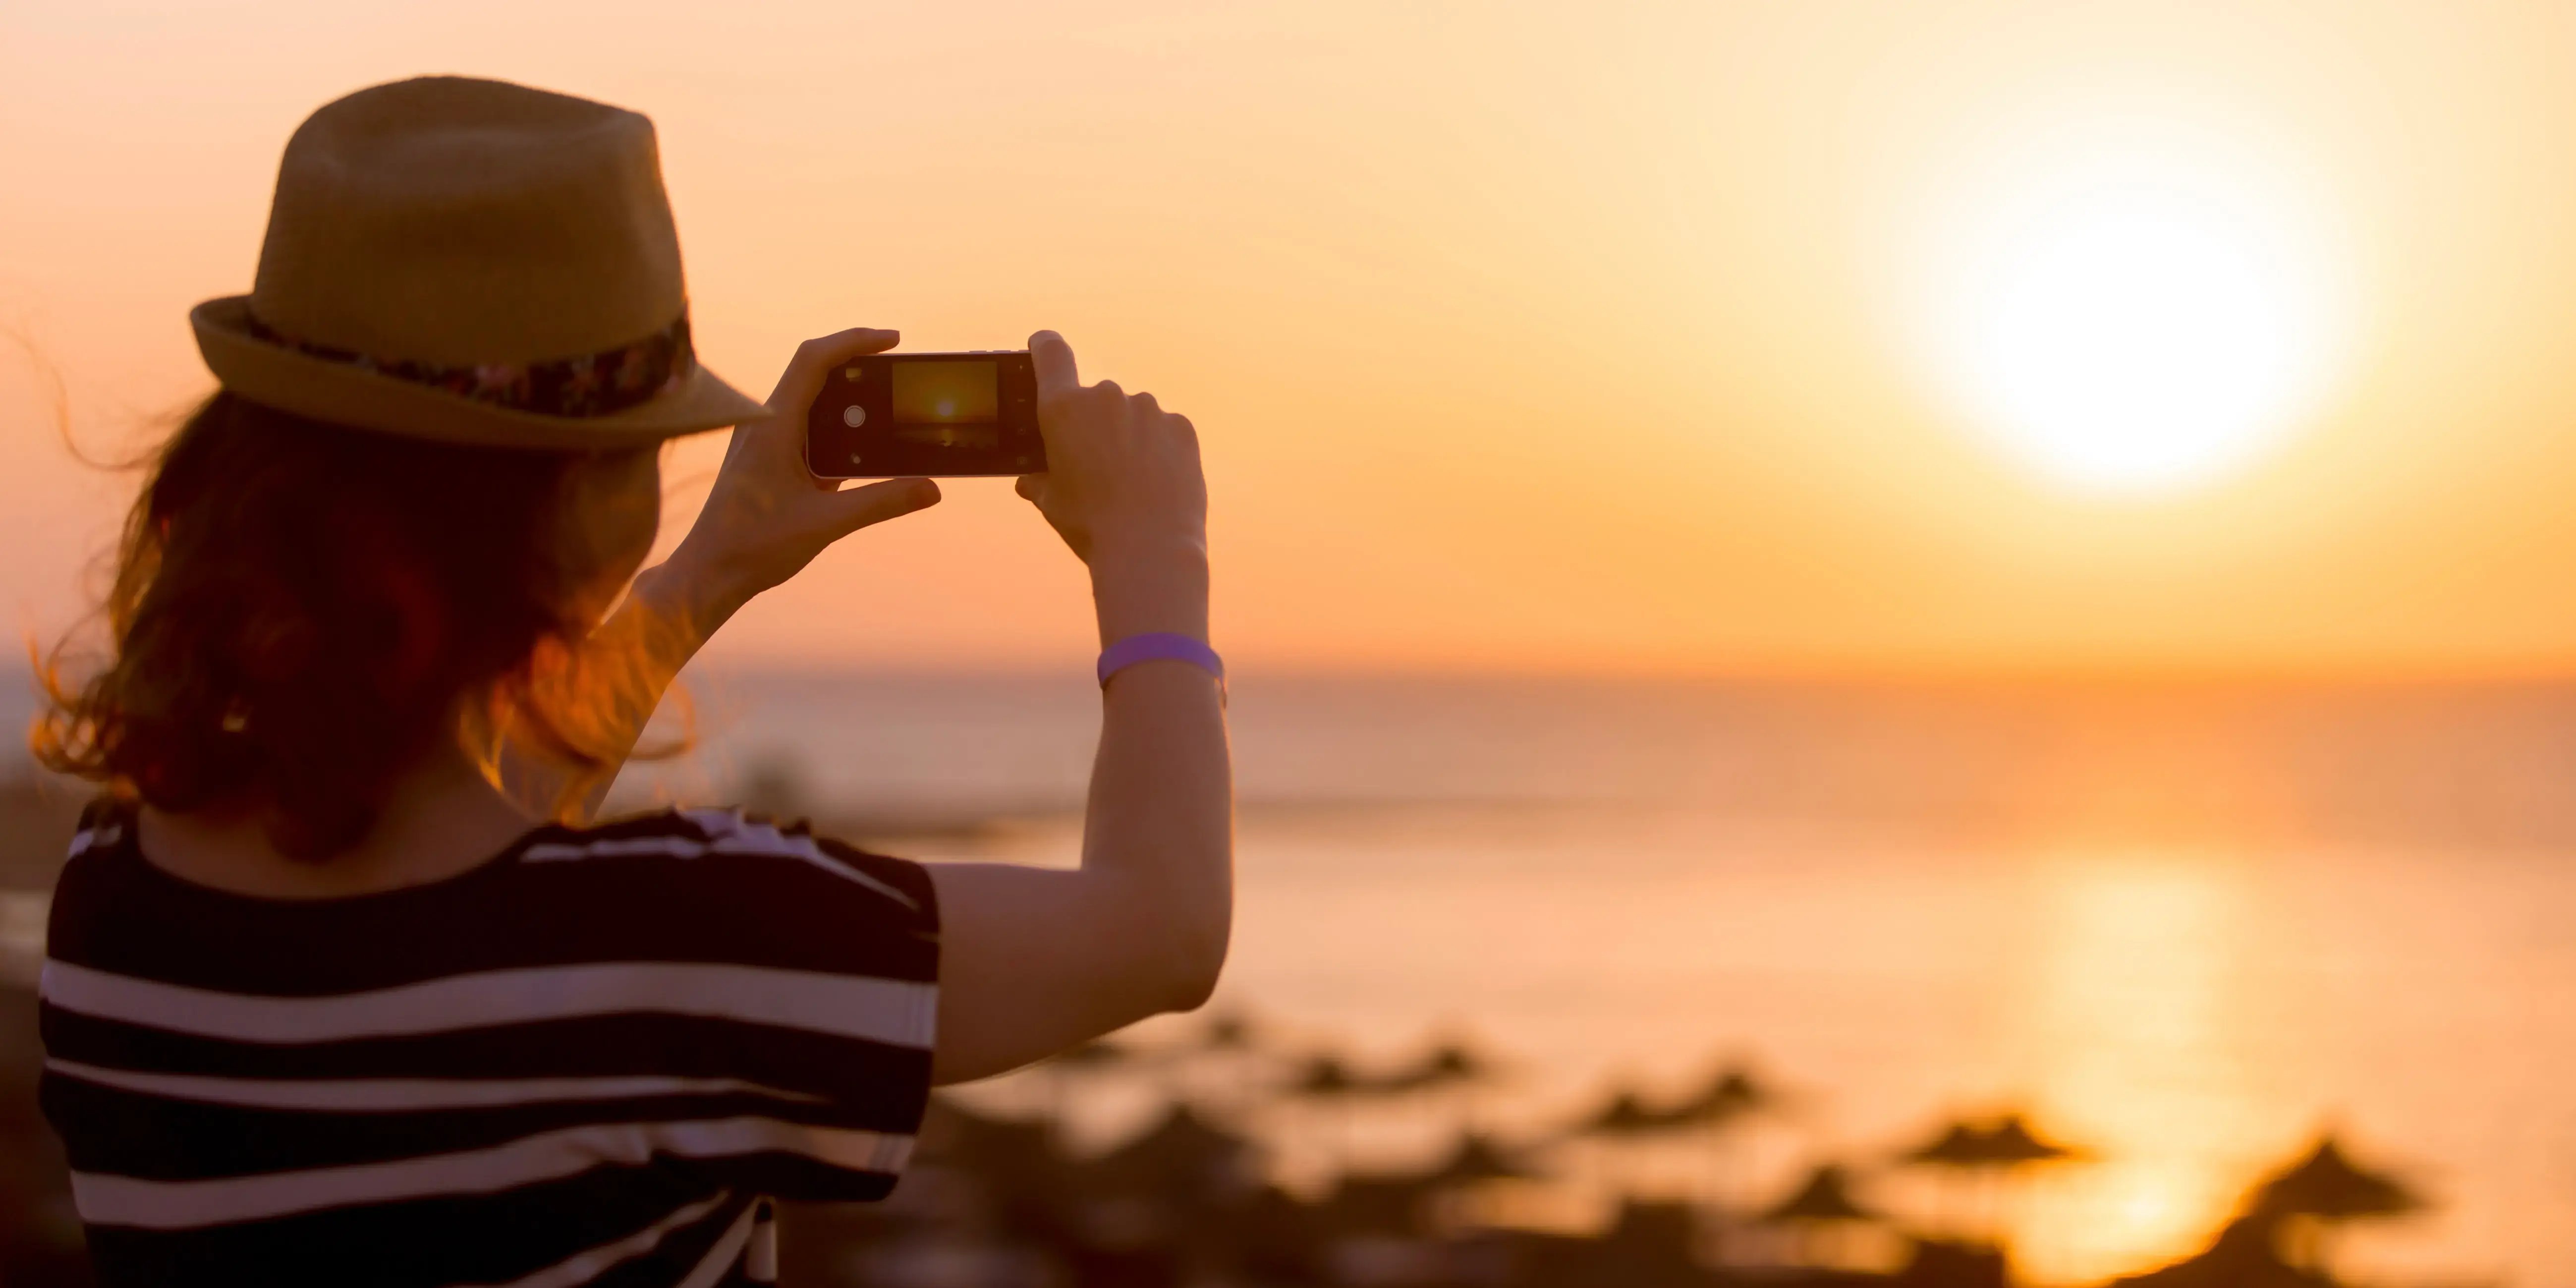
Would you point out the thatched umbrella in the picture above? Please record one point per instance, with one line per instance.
(1477, 1159)
(1730, 1095)
(1182, 1155)
(2244, 1254)
(1623, 1119)
(1159, 1187)
(1325, 1077)
(1826, 1196)
(1449, 1064)
(1063, 1069)
(1718, 1107)
(1453, 1071)
(1229, 1031)
(1625, 1115)
(2010, 1147)
(1820, 1209)
(2011, 1143)
(1986, 1155)
(1325, 1081)
(1411, 1202)
(1231, 1044)
(1961, 1144)
(2327, 1188)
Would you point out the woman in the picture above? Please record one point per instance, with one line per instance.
(340, 985)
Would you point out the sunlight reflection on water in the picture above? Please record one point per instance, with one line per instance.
(2186, 929)
(2138, 990)
(2182, 1014)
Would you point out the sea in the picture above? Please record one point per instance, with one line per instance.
(2186, 928)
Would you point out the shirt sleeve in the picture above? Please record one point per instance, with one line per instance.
(828, 1029)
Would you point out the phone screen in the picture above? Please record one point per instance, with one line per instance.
(949, 404)
(960, 415)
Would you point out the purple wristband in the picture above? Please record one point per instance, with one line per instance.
(1157, 646)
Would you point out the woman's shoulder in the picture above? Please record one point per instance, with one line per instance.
(711, 858)
(729, 845)
(702, 886)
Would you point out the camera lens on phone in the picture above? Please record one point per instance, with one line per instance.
(854, 415)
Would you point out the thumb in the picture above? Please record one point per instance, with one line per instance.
(860, 507)
(1053, 359)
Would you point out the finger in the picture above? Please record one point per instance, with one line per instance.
(877, 502)
(1032, 487)
(1054, 359)
(804, 375)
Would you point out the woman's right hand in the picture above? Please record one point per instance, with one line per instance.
(1124, 489)
(1036, 960)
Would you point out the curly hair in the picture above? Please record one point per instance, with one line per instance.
(301, 611)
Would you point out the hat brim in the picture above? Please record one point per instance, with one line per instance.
(280, 377)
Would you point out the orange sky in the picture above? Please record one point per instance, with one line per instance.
(1519, 337)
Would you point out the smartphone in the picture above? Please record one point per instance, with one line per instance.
(953, 415)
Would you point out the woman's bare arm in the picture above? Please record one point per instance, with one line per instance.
(1032, 960)
(1035, 961)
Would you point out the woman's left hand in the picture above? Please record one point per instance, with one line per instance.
(764, 520)
(767, 515)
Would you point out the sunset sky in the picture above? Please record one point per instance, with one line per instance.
(1749, 337)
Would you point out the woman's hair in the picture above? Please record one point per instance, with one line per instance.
(301, 611)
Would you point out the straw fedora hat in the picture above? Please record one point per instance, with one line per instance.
(472, 262)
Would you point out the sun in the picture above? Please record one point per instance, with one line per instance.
(2131, 313)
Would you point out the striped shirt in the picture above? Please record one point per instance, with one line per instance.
(587, 1061)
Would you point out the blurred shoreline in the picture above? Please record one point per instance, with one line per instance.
(2190, 926)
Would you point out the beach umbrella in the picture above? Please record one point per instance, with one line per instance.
(1223, 1064)
(1819, 1210)
(1410, 1202)
(1477, 1159)
(2244, 1252)
(2004, 1146)
(1825, 1197)
(2328, 1186)
(1625, 1118)
(1231, 1031)
(1325, 1077)
(2011, 1143)
(1720, 1105)
(1064, 1067)
(1731, 1094)
(1326, 1081)
(1961, 1144)
(1624, 1115)
(1182, 1155)
(1450, 1064)
(1985, 1155)
(1451, 1073)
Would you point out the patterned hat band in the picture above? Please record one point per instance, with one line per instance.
(595, 384)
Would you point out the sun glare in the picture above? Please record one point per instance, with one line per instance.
(2135, 315)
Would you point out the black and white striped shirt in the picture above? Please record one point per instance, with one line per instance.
(584, 1062)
